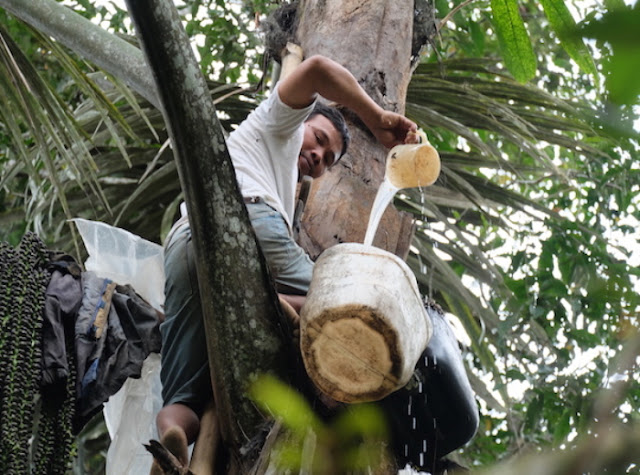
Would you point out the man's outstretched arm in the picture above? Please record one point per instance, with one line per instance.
(322, 76)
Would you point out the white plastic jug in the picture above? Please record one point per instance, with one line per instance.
(363, 325)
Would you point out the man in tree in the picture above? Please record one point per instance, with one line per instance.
(289, 135)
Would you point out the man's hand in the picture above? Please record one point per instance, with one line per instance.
(291, 305)
(394, 129)
(295, 301)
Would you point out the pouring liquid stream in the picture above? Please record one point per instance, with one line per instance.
(408, 166)
(385, 194)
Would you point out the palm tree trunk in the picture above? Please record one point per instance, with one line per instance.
(373, 39)
(244, 337)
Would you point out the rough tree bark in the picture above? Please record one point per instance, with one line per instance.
(373, 39)
(244, 337)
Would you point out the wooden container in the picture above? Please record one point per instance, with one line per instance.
(363, 325)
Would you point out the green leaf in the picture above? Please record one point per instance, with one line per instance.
(534, 411)
(285, 404)
(563, 25)
(563, 426)
(620, 29)
(478, 37)
(361, 420)
(614, 4)
(516, 375)
(514, 40)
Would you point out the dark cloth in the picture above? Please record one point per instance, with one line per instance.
(63, 298)
(114, 330)
(436, 412)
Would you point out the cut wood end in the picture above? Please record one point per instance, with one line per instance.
(349, 360)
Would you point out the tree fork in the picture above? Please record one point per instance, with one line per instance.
(244, 327)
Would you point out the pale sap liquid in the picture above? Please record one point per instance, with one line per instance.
(408, 166)
(385, 194)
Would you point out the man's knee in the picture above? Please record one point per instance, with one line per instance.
(178, 415)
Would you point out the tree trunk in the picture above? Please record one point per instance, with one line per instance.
(244, 337)
(378, 39)
(373, 40)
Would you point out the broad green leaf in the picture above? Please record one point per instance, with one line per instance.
(563, 24)
(620, 29)
(514, 40)
(285, 404)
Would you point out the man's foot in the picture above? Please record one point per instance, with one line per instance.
(175, 441)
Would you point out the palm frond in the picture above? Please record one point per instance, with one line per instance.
(485, 181)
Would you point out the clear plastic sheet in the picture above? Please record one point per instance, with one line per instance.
(130, 414)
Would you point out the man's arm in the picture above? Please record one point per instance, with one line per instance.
(321, 75)
(296, 301)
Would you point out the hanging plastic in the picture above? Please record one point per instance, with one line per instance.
(130, 414)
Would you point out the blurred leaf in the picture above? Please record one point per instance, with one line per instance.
(563, 25)
(562, 426)
(361, 420)
(285, 404)
(478, 37)
(620, 29)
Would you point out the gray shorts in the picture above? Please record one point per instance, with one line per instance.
(185, 367)
(290, 265)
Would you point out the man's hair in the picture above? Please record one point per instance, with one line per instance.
(337, 119)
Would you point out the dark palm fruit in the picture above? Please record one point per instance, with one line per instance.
(35, 436)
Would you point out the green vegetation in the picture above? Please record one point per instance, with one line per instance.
(527, 237)
(35, 435)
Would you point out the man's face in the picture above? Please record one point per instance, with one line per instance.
(321, 146)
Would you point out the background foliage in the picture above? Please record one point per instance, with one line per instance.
(527, 238)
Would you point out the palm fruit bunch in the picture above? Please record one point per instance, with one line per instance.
(35, 436)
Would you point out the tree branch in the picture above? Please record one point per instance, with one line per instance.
(114, 55)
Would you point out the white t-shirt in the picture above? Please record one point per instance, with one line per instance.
(265, 149)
